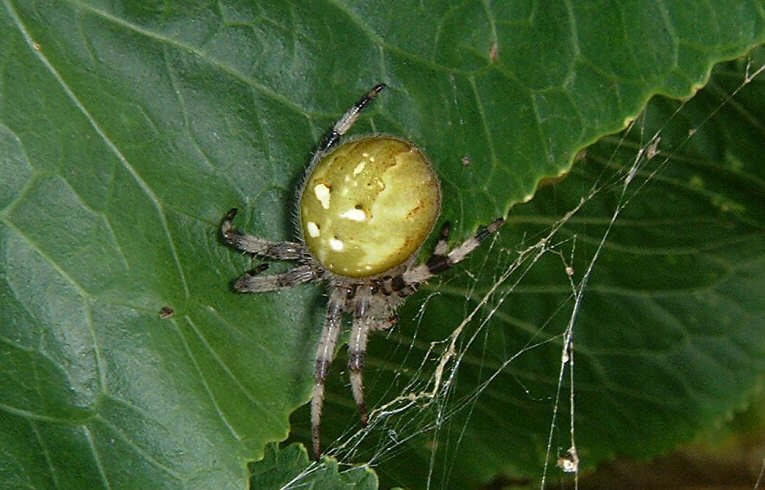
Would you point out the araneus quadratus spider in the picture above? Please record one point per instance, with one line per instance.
(365, 209)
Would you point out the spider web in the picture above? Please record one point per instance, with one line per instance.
(427, 400)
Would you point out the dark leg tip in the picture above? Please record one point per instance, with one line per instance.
(227, 226)
(241, 284)
(492, 228)
(257, 270)
(316, 445)
(446, 230)
(496, 224)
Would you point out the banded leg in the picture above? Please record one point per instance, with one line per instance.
(258, 246)
(344, 123)
(357, 349)
(253, 282)
(442, 260)
(324, 354)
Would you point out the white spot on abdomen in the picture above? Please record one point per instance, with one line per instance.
(354, 215)
(313, 229)
(336, 245)
(322, 194)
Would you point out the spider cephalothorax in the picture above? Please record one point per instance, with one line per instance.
(365, 209)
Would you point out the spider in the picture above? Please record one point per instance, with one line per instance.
(366, 206)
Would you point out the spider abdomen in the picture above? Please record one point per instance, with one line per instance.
(368, 206)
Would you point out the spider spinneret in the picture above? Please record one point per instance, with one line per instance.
(366, 208)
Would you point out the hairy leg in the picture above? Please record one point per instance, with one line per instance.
(357, 347)
(253, 282)
(258, 246)
(324, 355)
(349, 118)
(442, 260)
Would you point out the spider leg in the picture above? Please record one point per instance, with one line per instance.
(344, 123)
(442, 260)
(324, 354)
(357, 348)
(258, 246)
(253, 282)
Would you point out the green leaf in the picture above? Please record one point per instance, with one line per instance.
(288, 466)
(128, 129)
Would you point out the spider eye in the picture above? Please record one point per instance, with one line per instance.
(369, 205)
